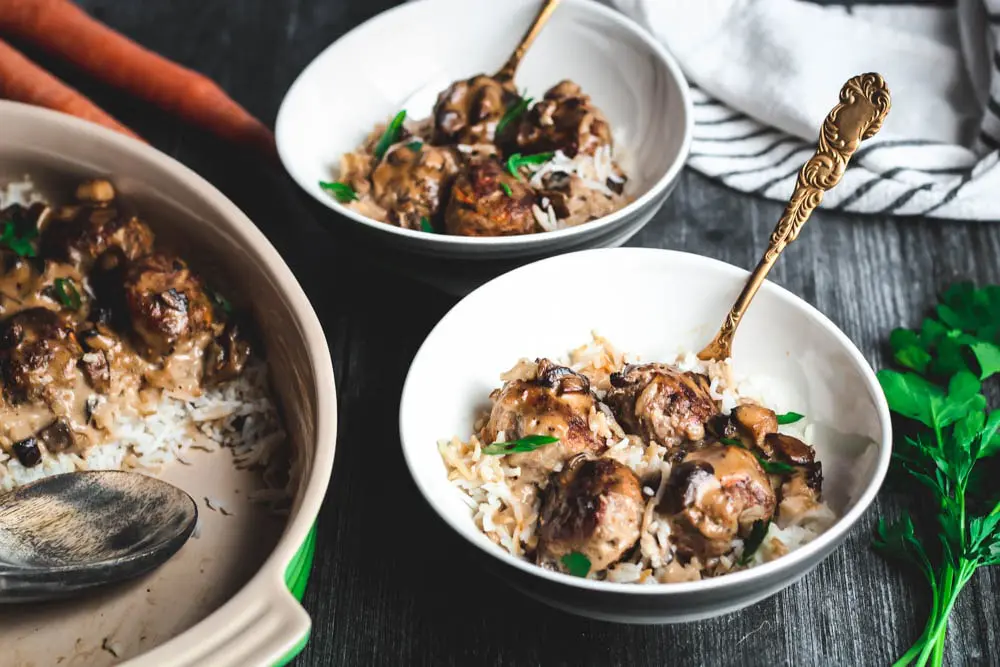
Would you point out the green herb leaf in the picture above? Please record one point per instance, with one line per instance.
(391, 135)
(790, 418)
(342, 192)
(68, 295)
(516, 161)
(528, 443)
(506, 189)
(732, 442)
(426, 226)
(775, 467)
(514, 111)
(220, 302)
(576, 564)
(415, 146)
(757, 534)
(18, 238)
(987, 357)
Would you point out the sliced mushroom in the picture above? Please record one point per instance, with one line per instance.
(755, 422)
(57, 436)
(226, 356)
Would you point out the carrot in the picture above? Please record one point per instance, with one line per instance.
(23, 81)
(64, 30)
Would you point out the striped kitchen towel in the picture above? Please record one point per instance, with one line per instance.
(766, 73)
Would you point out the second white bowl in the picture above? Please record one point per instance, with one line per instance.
(403, 57)
(653, 303)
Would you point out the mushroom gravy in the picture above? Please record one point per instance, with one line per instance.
(98, 322)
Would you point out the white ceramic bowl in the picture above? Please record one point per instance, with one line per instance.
(403, 57)
(223, 599)
(651, 303)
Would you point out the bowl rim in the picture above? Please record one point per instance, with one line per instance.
(785, 567)
(267, 583)
(663, 57)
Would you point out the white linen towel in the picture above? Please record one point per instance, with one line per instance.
(766, 73)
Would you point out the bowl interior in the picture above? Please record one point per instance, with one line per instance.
(230, 548)
(404, 57)
(797, 357)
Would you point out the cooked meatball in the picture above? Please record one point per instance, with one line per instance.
(80, 234)
(714, 495)
(661, 403)
(38, 355)
(593, 507)
(467, 112)
(480, 206)
(565, 119)
(410, 183)
(557, 402)
(226, 355)
(166, 302)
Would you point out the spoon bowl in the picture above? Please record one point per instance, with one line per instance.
(68, 533)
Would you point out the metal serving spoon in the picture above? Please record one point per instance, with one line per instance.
(864, 103)
(509, 69)
(72, 532)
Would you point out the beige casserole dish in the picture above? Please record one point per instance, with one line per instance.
(230, 596)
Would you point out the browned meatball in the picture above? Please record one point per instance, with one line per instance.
(593, 507)
(410, 183)
(226, 356)
(661, 403)
(467, 112)
(480, 206)
(80, 234)
(565, 119)
(167, 303)
(38, 355)
(557, 402)
(714, 495)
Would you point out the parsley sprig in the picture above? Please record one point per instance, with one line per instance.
(576, 564)
(514, 111)
(67, 293)
(947, 430)
(342, 192)
(528, 443)
(17, 235)
(391, 134)
(516, 161)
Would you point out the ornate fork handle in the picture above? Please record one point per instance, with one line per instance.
(864, 103)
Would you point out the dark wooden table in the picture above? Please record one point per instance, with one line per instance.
(391, 585)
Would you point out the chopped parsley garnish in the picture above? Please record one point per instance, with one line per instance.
(342, 192)
(514, 112)
(426, 226)
(221, 302)
(576, 564)
(528, 443)
(415, 146)
(506, 189)
(391, 135)
(516, 161)
(946, 430)
(753, 541)
(68, 295)
(19, 240)
(790, 418)
(732, 442)
(774, 467)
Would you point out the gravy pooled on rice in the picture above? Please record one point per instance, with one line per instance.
(114, 353)
(607, 468)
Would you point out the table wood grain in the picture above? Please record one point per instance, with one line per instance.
(391, 585)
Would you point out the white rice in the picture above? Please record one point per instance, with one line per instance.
(594, 171)
(487, 485)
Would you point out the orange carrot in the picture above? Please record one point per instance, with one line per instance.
(23, 81)
(64, 30)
